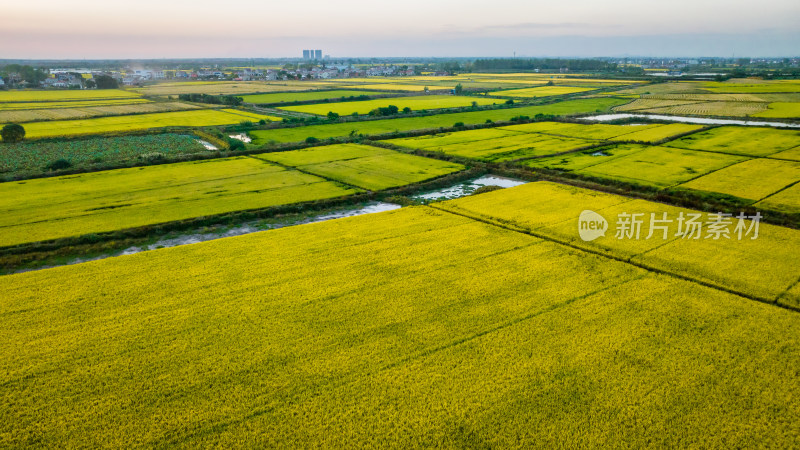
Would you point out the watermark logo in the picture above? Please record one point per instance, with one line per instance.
(591, 225)
(636, 226)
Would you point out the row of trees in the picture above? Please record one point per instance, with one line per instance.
(389, 111)
(544, 64)
(231, 100)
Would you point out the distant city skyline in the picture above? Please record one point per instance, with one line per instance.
(90, 29)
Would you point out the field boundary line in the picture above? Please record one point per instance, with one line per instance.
(502, 326)
(285, 167)
(641, 265)
(778, 191)
(610, 144)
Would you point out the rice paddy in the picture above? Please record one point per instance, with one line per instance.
(484, 321)
(543, 91)
(751, 141)
(64, 95)
(383, 126)
(416, 103)
(295, 337)
(363, 166)
(754, 179)
(489, 147)
(75, 205)
(40, 114)
(305, 96)
(114, 124)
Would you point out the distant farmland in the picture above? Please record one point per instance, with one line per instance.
(374, 127)
(305, 96)
(416, 103)
(198, 118)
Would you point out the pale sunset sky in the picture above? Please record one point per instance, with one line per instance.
(248, 28)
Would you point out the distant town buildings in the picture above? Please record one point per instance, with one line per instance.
(312, 54)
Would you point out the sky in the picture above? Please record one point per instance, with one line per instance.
(90, 29)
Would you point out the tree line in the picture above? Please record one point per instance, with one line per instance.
(543, 64)
(231, 100)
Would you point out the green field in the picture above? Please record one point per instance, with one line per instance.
(536, 139)
(660, 166)
(764, 267)
(39, 114)
(198, 118)
(639, 133)
(645, 165)
(792, 153)
(416, 103)
(491, 148)
(751, 180)
(62, 95)
(32, 156)
(753, 86)
(376, 127)
(413, 328)
(540, 91)
(71, 104)
(74, 205)
(581, 160)
(657, 133)
(781, 110)
(363, 166)
(751, 141)
(305, 96)
(786, 200)
(224, 87)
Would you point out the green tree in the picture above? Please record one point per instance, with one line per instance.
(33, 76)
(235, 144)
(106, 82)
(13, 133)
(459, 89)
(332, 115)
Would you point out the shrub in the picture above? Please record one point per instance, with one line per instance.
(311, 140)
(13, 133)
(58, 164)
(484, 189)
(153, 156)
(235, 144)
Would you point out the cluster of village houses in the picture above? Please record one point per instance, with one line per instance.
(77, 78)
